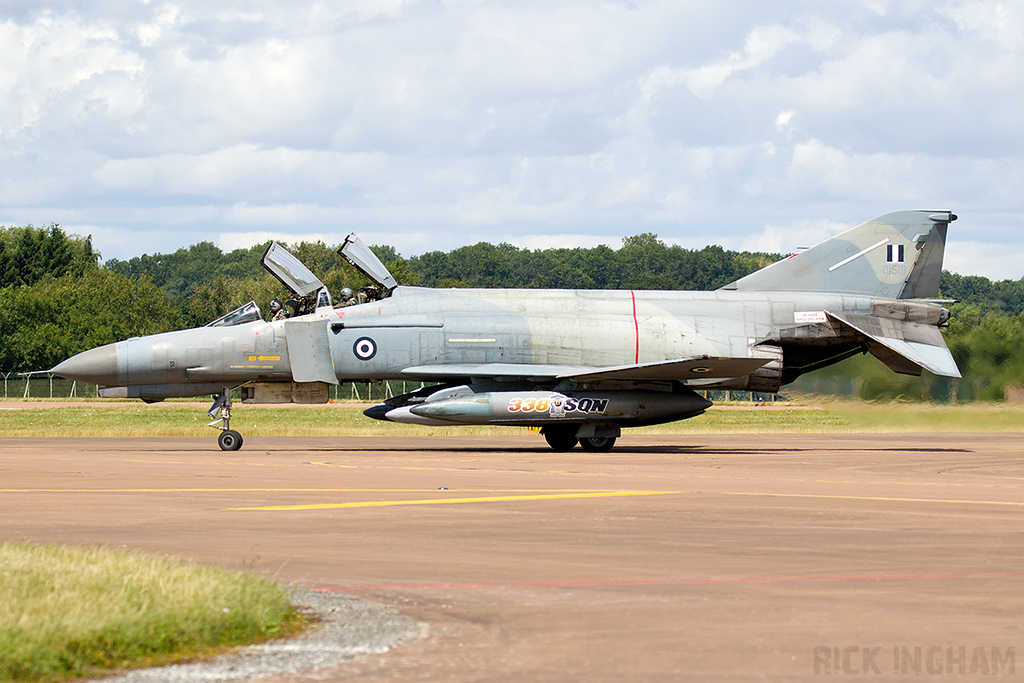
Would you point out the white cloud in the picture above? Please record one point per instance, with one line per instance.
(1002, 23)
(792, 238)
(229, 241)
(762, 43)
(889, 176)
(63, 70)
(784, 117)
(996, 260)
(230, 171)
(432, 125)
(564, 241)
(150, 33)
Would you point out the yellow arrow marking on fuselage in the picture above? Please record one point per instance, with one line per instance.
(450, 501)
(264, 358)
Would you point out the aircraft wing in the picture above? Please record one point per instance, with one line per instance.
(697, 367)
(682, 369)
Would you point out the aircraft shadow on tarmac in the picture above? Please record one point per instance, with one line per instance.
(626, 450)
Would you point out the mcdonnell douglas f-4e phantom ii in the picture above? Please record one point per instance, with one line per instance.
(579, 364)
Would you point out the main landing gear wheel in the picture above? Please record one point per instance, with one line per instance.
(561, 439)
(229, 440)
(598, 444)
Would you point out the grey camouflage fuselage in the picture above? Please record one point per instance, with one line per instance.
(866, 290)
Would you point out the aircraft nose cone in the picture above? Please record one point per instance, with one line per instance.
(95, 366)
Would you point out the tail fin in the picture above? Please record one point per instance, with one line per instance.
(895, 256)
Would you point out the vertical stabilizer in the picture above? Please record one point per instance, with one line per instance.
(895, 256)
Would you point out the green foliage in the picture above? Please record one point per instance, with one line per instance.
(205, 267)
(57, 301)
(1004, 295)
(57, 318)
(402, 272)
(878, 383)
(180, 273)
(210, 300)
(988, 347)
(643, 262)
(29, 255)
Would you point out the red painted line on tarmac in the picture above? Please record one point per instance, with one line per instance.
(636, 326)
(677, 582)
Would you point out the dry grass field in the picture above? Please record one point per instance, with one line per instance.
(807, 415)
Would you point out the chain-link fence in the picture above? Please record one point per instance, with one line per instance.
(19, 385)
(44, 386)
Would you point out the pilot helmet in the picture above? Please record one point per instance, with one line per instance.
(346, 293)
(275, 305)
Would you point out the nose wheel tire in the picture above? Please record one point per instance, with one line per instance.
(229, 440)
(598, 444)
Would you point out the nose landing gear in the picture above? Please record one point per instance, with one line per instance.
(220, 411)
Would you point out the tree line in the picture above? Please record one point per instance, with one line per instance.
(58, 298)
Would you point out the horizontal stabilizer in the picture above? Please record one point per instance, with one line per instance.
(681, 369)
(904, 347)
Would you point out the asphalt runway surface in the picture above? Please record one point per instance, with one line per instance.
(694, 557)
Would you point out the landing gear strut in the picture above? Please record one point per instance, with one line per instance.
(220, 411)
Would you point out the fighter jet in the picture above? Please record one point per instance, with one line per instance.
(579, 364)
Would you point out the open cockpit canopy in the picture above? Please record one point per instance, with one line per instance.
(290, 270)
(366, 262)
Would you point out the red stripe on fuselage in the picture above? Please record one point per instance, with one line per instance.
(636, 326)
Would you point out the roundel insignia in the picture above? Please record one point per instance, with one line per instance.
(364, 348)
(701, 370)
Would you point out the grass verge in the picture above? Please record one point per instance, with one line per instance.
(851, 416)
(810, 416)
(73, 612)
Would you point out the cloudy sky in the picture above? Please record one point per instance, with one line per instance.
(427, 125)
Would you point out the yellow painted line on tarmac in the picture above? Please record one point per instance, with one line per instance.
(877, 498)
(258, 490)
(511, 469)
(452, 501)
(179, 490)
(893, 482)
